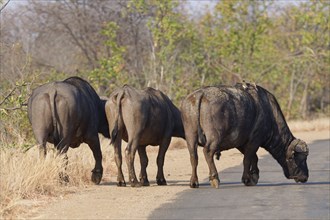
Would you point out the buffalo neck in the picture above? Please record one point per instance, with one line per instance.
(280, 135)
(278, 141)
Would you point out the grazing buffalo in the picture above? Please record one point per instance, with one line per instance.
(244, 116)
(67, 113)
(141, 118)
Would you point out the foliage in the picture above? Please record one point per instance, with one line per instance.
(284, 48)
(302, 40)
(108, 74)
(14, 126)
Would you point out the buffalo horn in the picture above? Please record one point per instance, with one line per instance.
(302, 147)
(291, 148)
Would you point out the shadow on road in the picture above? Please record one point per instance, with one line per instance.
(274, 197)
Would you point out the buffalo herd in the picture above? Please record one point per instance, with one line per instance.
(244, 116)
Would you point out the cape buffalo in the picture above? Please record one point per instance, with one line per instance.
(67, 113)
(244, 116)
(141, 118)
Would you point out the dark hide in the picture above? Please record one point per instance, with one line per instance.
(244, 117)
(141, 118)
(68, 113)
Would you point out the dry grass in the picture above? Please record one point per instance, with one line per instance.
(319, 124)
(24, 177)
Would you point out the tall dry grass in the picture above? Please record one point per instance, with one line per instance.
(318, 124)
(23, 176)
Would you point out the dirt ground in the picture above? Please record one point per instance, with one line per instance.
(107, 201)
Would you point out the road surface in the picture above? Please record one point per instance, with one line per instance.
(274, 197)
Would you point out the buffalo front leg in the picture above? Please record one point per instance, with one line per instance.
(130, 156)
(251, 172)
(160, 178)
(97, 172)
(254, 171)
(144, 163)
(209, 150)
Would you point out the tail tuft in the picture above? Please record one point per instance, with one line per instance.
(201, 136)
(114, 134)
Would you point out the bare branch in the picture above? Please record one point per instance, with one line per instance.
(3, 7)
(14, 108)
(9, 94)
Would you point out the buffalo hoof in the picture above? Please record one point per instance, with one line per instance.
(194, 184)
(144, 182)
(255, 178)
(251, 181)
(215, 183)
(121, 183)
(64, 177)
(135, 183)
(97, 176)
(161, 182)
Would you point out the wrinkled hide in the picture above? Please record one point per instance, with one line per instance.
(68, 113)
(245, 117)
(141, 118)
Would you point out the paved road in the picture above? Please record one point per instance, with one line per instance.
(274, 197)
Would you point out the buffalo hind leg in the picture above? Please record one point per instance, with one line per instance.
(42, 151)
(119, 161)
(62, 150)
(42, 140)
(209, 151)
(160, 178)
(64, 177)
(97, 172)
(144, 163)
(192, 147)
(130, 156)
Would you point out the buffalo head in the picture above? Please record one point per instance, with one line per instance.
(296, 157)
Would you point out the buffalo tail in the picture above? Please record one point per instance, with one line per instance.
(116, 128)
(200, 132)
(52, 101)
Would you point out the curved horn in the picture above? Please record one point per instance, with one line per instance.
(301, 147)
(291, 148)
